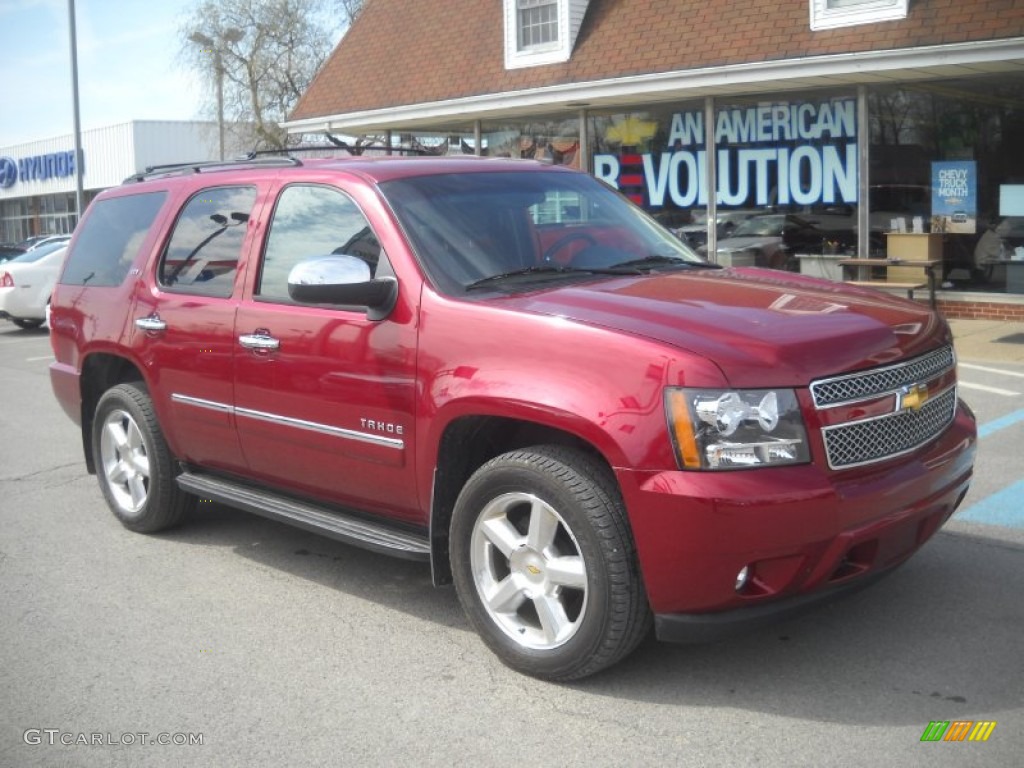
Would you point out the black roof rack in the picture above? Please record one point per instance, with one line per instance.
(180, 169)
(265, 157)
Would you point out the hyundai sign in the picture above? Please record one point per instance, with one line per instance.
(56, 165)
(8, 172)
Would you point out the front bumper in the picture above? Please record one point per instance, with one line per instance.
(805, 533)
(707, 627)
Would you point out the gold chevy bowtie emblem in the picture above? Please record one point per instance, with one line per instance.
(912, 398)
(533, 569)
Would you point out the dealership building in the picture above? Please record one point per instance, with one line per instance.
(881, 128)
(37, 178)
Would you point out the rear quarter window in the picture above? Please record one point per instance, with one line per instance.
(110, 239)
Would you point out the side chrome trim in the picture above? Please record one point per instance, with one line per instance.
(312, 426)
(198, 402)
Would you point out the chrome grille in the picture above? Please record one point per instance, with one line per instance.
(882, 437)
(881, 381)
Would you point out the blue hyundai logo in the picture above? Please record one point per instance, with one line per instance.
(8, 172)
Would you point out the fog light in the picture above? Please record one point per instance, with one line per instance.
(741, 577)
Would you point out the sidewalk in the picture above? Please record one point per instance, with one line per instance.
(997, 341)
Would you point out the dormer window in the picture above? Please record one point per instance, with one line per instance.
(537, 23)
(541, 32)
(827, 14)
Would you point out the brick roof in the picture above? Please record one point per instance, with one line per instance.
(404, 52)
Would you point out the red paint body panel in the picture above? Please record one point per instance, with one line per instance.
(341, 374)
(756, 324)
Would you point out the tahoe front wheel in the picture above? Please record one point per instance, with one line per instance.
(133, 463)
(545, 565)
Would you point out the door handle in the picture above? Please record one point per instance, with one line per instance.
(261, 340)
(151, 323)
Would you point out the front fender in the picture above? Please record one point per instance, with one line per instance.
(603, 386)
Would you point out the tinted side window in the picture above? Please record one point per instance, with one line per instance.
(202, 255)
(313, 221)
(110, 239)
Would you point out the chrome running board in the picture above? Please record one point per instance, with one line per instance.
(326, 521)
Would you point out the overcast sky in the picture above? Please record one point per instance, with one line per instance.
(127, 66)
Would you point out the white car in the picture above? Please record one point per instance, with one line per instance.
(47, 240)
(26, 283)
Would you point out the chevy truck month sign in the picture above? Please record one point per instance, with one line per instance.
(954, 196)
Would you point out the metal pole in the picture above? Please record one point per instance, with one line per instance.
(77, 122)
(711, 177)
(583, 149)
(863, 171)
(219, 65)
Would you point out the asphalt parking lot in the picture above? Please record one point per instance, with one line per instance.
(272, 646)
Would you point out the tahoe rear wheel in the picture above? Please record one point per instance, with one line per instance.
(133, 464)
(544, 563)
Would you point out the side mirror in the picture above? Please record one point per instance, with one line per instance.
(343, 280)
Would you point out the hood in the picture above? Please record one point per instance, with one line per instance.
(761, 327)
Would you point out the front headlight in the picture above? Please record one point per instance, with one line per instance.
(739, 429)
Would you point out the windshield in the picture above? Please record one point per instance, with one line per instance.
(512, 230)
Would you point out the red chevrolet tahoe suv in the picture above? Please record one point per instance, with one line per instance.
(506, 370)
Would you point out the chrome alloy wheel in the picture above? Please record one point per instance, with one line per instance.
(529, 571)
(125, 461)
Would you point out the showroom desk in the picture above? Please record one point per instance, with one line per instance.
(914, 246)
(863, 276)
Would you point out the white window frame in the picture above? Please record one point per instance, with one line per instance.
(829, 14)
(536, 55)
(527, 5)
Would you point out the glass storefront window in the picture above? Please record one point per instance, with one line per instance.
(42, 215)
(553, 140)
(787, 174)
(949, 153)
(437, 143)
(644, 156)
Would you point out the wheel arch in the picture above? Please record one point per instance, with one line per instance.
(100, 371)
(467, 443)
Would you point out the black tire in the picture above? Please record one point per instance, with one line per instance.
(26, 324)
(133, 463)
(525, 526)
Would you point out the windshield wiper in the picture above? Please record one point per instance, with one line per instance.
(548, 269)
(656, 260)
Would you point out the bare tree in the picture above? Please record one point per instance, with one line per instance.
(263, 54)
(349, 9)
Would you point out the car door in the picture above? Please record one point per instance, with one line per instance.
(184, 325)
(324, 395)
